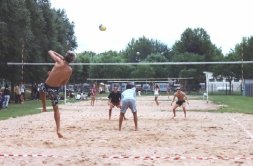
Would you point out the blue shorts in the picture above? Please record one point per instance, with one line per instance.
(128, 103)
(53, 93)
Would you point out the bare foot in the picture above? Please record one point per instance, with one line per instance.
(43, 110)
(59, 135)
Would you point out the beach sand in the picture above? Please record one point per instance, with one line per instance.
(203, 138)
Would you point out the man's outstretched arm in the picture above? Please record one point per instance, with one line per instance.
(55, 56)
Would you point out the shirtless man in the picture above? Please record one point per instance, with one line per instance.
(181, 96)
(57, 77)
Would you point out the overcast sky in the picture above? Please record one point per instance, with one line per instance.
(226, 21)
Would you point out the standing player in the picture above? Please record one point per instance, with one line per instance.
(156, 93)
(58, 76)
(114, 100)
(181, 96)
(128, 99)
(93, 94)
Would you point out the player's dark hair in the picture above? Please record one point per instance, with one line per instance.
(128, 86)
(70, 56)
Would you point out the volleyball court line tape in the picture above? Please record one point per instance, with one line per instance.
(245, 130)
(30, 155)
(134, 157)
(178, 158)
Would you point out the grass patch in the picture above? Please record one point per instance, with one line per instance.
(15, 110)
(29, 107)
(240, 104)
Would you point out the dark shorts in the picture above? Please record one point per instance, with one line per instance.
(117, 104)
(180, 102)
(53, 93)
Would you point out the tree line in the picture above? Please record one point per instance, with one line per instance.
(194, 46)
(29, 28)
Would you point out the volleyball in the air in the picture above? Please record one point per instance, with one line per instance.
(102, 27)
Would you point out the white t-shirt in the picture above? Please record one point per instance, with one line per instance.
(22, 88)
(128, 94)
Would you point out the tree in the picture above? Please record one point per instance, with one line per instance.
(17, 32)
(104, 71)
(195, 45)
(139, 50)
(29, 28)
(159, 71)
(244, 50)
(81, 73)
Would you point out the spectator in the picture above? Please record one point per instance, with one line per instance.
(17, 94)
(35, 91)
(93, 94)
(1, 99)
(22, 91)
(7, 94)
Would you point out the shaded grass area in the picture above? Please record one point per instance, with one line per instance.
(240, 104)
(15, 110)
(29, 107)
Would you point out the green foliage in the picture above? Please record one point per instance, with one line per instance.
(195, 46)
(28, 30)
(159, 71)
(143, 71)
(139, 50)
(81, 73)
(244, 51)
(109, 71)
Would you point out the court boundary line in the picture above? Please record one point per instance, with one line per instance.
(244, 129)
(146, 157)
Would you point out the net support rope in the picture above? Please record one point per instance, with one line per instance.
(135, 63)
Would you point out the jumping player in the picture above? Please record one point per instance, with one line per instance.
(181, 96)
(57, 77)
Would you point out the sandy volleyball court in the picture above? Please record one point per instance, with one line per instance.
(204, 138)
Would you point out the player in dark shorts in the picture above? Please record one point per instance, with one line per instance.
(52, 92)
(181, 96)
(114, 100)
(57, 77)
(180, 102)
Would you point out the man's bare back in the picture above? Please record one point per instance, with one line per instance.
(60, 73)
